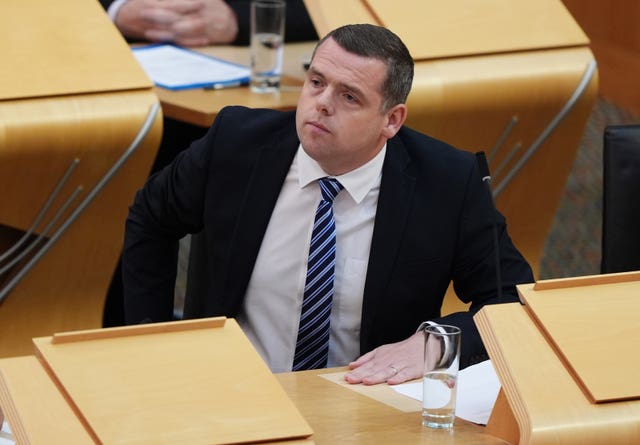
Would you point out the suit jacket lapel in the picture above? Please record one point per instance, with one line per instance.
(268, 175)
(394, 203)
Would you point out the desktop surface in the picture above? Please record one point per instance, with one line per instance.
(339, 415)
(199, 106)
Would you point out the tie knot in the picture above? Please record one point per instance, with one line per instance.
(330, 188)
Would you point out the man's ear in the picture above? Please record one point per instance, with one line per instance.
(395, 119)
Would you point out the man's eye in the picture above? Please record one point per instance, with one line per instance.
(350, 98)
(315, 82)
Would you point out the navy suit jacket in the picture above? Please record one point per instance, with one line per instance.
(434, 223)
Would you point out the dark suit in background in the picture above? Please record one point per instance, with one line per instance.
(298, 25)
(434, 224)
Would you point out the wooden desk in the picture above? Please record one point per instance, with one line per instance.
(339, 415)
(554, 354)
(200, 107)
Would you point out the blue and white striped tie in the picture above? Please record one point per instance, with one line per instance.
(312, 346)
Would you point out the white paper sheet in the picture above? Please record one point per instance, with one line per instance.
(6, 438)
(177, 68)
(478, 388)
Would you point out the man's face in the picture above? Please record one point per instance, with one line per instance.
(339, 119)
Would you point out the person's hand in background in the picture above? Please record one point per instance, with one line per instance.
(184, 22)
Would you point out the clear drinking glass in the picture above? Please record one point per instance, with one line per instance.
(440, 383)
(267, 44)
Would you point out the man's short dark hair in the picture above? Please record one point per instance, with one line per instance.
(379, 43)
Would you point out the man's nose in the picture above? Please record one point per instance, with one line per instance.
(324, 102)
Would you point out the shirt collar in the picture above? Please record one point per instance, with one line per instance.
(357, 182)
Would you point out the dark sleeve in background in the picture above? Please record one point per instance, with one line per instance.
(298, 25)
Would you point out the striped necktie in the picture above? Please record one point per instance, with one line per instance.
(312, 346)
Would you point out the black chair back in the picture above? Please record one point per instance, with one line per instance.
(621, 199)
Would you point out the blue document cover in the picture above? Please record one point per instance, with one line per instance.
(177, 68)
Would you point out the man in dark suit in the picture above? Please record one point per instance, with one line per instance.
(412, 216)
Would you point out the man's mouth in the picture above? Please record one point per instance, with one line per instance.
(319, 126)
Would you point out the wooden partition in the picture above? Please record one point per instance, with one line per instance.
(514, 79)
(79, 129)
(566, 361)
(148, 384)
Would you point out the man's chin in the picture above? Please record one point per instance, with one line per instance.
(314, 144)
(315, 151)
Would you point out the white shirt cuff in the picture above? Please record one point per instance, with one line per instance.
(114, 8)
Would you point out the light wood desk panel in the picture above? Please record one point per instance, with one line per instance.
(340, 416)
(64, 48)
(541, 394)
(337, 415)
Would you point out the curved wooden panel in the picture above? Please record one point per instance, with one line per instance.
(473, 28)
(546, 404)
(39, 139)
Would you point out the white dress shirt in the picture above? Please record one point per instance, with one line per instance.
(271, 311)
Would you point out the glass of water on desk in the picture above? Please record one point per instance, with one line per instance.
(267, 44)
(440, 383)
